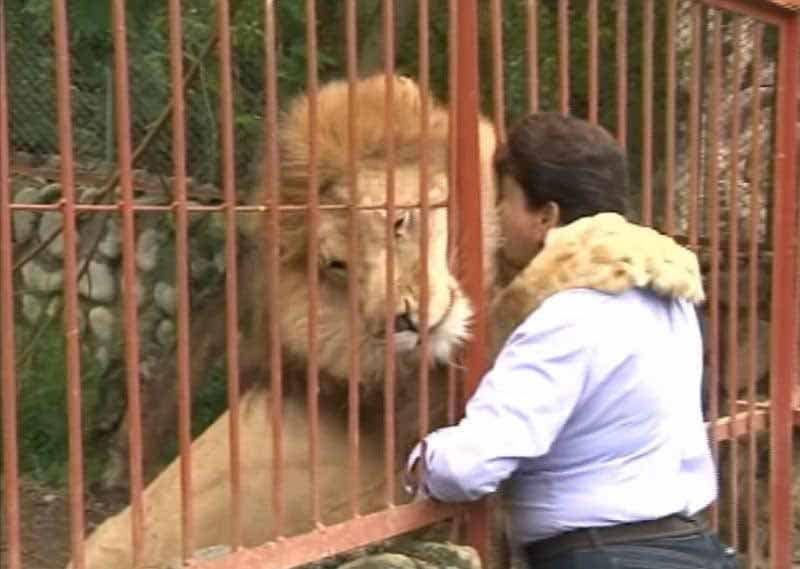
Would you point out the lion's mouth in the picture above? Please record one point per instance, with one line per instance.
(451, 301)
(441, 336)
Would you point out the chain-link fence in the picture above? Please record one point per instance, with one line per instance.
(32, 73)
(33, 103)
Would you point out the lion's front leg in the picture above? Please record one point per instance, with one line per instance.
(109, 547)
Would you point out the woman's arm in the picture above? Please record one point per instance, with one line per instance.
(516, 413)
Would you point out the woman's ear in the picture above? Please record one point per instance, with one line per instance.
(550, 215)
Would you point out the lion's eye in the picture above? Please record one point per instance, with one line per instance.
(337, 265)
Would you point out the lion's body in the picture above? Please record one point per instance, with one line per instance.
(616, 259)
(110, 545)
(448, 316)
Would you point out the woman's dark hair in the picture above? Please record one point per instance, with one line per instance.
(569, 161)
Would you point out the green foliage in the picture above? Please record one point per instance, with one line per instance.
(43, 427)
(210, 401)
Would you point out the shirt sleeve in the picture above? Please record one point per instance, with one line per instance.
(516, 413)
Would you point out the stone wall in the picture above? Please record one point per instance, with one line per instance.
(400, 553)
(39, 284)
(40, 280)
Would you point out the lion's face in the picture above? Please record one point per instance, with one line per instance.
(372, 268)
(388, 286)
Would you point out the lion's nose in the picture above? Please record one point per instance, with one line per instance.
(404, 323)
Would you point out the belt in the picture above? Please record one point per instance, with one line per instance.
(676, 525)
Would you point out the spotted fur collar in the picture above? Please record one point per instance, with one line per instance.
(604, 252)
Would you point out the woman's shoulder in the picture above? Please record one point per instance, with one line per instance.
(577, 300)
(587, 307)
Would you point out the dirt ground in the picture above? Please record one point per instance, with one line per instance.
(45, 524)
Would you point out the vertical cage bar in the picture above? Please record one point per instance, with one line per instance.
(231, 270)
(669, 130)
(354, 379)
(733, 280)
(563, 56)
(273, 236)
(452, 193)
(10, 492)
(129, 301)
(498, 87)
(783, 329)
(594, 60)
(752, 297)
(312, 88)
(712, 191)
(181, 273)
(390, 392)
(694, 126)
(532, 52)
(71, 328)
(129, 274)
(647, 111)
(424, 182)
(468, 184)
(622, 72)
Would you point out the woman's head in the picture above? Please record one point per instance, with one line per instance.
(553, 170)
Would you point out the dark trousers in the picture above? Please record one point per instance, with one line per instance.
(701, 550)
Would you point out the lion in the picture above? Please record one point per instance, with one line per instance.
(448, 317)
(604, 252)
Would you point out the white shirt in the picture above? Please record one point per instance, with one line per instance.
(590, 416)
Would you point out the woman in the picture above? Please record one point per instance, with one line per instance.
(590, 422)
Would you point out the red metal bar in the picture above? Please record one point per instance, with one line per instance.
(796, 357)
(784, 293)
(452, 90)
(353, 255)
(712, 192)
(424, 182)
(10, 493)
(129, 301)
(182, 274)
(71, 328)
(322, 543)
(622, 72)
(594, 60)
(285, 208)
(312, 88)
(739, 425)
(468, 184)
(271, 195)
(532, 52)
(563, 56)
(452, 394)
(733, 278)
(498, 89)
(231, 272)
(452, 194)
(752, 296)
(760, 10)
(390, 392)
(694, 125)
(669, 199)
(647, 112)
